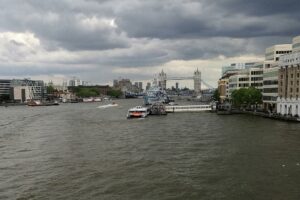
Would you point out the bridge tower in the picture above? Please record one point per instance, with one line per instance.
(162, 79)
(197, 82)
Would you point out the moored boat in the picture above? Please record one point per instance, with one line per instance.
(138, 112)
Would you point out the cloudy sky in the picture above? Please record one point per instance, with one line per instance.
(101, 40)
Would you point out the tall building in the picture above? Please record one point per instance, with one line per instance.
(162, 79)
(288, 102)
(75, 82)
(270, 76)
(141, 86)
(115, 83)
(197, 82)
(270, 87)
(148, 86)
(176, 85)
(125, 85)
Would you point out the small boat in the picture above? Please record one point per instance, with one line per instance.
(88, 100)
(34, 103)
(138, 112)
(97, 99)
(40, 103)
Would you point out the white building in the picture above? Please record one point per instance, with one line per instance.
(32, 89)
(275, 51)
(296, 44)
(22, 93)
(252, 77)
(235, 67)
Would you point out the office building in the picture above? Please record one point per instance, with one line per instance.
(5, 87)
(275, 51)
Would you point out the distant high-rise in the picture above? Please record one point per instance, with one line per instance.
(177, 86)
(116, 83)
(148, 86)
(162, 78)
(75, 82)
(141, 86)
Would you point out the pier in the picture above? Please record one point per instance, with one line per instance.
(188, 108)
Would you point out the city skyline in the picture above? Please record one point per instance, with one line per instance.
(99, 41)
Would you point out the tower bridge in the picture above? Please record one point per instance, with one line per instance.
(162, 81)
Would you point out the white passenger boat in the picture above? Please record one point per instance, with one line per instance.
(188, 108)
(138, 112)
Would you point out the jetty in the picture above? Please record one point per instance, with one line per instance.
(187, 108)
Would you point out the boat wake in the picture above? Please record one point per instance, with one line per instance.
(108, 106)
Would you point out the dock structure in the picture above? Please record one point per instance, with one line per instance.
(188, 108)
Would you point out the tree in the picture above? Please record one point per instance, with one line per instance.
(115, 93)
(255, 96)
(87, 92)
(50, 89)
(246, 96)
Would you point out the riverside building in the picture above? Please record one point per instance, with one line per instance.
(270, 74)
(225, 84)
(24, 90)
(5, 87)
(252, 77)
(288, 102)
(21, 90)
(275, 51)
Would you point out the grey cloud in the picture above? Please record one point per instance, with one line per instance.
(144, 33)
(196, 19)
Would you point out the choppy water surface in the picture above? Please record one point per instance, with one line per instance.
(77, 151)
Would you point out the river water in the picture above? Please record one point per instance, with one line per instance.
(78, 151)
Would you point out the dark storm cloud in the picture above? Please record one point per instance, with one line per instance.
(195, 19)
(262, 7)
(58, 22)
(137, 33)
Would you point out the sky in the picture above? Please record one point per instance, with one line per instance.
(102, 40)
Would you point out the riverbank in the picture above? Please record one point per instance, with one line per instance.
(268, 115)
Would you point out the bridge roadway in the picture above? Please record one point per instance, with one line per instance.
(189, 78)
